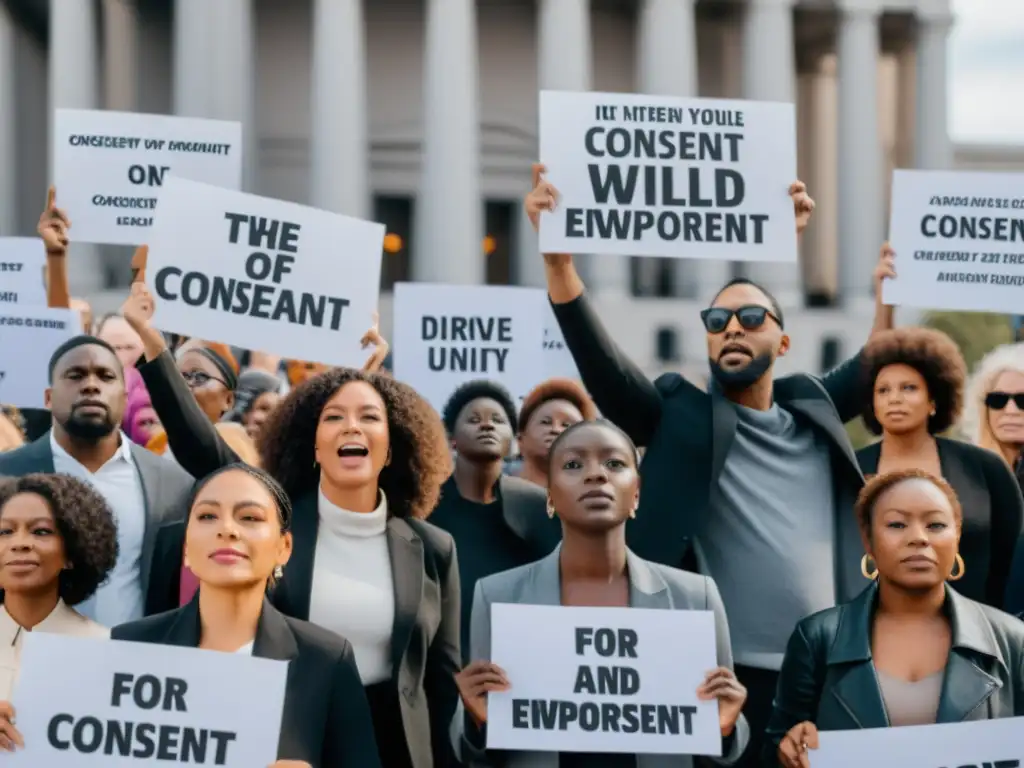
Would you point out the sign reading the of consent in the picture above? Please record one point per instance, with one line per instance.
(109, 167)
(28, 336)
(85, 702)
(603, 680)
(22, 264)
(446, 335)
(263, 274)
(977, 744)
(659, 176)
(959, 241)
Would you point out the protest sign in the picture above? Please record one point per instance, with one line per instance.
(661, 176)
(22, 268)
(603, 680)
(28, 336)
(977, 744)
(86, 702)
(263, 274)
(959, 241)
(109, 167)
(446, 335)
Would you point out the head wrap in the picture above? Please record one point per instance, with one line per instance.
(252, 384)
(222, 365)
(137, 400)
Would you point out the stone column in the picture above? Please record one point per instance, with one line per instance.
(861, 193)
(933, 150)
(769, 74)
(193, 55)
(120, 58)
(74, 84)
(449, 210)
(233, 77)
(8, 127)
(339, 156)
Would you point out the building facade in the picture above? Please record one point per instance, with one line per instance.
(422, 114)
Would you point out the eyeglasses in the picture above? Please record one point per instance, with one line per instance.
(751, 317)
(999, 400)
(197, 379)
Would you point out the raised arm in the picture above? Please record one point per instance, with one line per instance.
(621, 390)
(53, 229)
(380, 346)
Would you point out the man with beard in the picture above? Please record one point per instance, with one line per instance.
(86, 398)
(751, 482)
(498, 522)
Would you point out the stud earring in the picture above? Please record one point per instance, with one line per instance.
(278, 572)
(551, 509)
(632, 512)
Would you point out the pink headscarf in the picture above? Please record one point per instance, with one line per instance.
(138, 409)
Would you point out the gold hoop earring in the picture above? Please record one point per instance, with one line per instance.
(871, 575)
(959, 569)
(551, 509)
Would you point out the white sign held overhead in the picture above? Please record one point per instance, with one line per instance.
(109, 167)
(959, 241)
(22, 267)
(263, 274)
(662, 176)
(28, 337)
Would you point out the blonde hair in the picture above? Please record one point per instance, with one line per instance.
(975, 425)
(10, 435)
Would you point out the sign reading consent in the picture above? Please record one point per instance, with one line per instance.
(603, 680)
(109, 167)
(959, 241)
(263, 274)
(659, 176)
(978, 744)
(85, 702)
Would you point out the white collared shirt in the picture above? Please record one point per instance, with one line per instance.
(120, 598)
(62, 620)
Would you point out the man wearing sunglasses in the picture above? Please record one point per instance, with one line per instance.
(756, 474)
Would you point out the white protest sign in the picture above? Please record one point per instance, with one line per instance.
(109, 167)
(603, 680)
(959, 241)
(263, 274)
(660, 176)
(977, 744)
(85, 702)
(446, 335)
(22, 264)
(28, 337)
(558, 362)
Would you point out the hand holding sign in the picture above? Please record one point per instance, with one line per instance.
(543, 197)
(53, 226)
(794, 745)
(475, 682)
(9, 735)
(721, 684)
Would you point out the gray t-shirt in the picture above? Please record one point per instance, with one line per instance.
(770, 538)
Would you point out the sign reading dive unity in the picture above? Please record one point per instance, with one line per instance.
(976, 744)
(28, 336)
(109, 167)
(22, 261)
(263, 274)
(445, 335)
(959, 241)
(85, 702)
(603, 680)
(660, 176)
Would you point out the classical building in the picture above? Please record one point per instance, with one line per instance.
(423, 114)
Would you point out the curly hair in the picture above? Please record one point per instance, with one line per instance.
(557, 389)
(932, 354)
(879, 484)
(85, 523)
(420, 457)
(975, 426)
(474, 390)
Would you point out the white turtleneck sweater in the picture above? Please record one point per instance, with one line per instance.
(353, 593)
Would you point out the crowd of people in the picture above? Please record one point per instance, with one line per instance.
(182, 492)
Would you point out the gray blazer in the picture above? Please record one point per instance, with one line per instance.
(539, 583)
(165, 486)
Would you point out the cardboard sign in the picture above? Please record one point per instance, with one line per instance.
(22, 272)
(28, 337)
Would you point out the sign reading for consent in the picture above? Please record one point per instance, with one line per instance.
(109, 167)
(658, 176)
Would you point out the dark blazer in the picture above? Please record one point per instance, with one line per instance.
(524, 506)
(828, 677)
(993, 514)
(425, 640)
(326, 719)
(165, 486)
(688, 432)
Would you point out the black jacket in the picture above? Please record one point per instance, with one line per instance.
(688, 432)
(828, 677)
(993, 514)
(326, 719)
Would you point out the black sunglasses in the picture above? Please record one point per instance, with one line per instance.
(999, 400)
(751, 317)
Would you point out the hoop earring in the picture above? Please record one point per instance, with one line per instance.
(870, 575)
(551, 509)
(959, 569)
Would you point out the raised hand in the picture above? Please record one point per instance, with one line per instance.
(543, 196)
(381, 346)
(803, 205)
(885, 269)
(138, 309)
(53, 226)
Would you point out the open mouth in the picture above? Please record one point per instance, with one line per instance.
(353, 450)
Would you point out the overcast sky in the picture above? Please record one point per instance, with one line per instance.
(987, 71)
